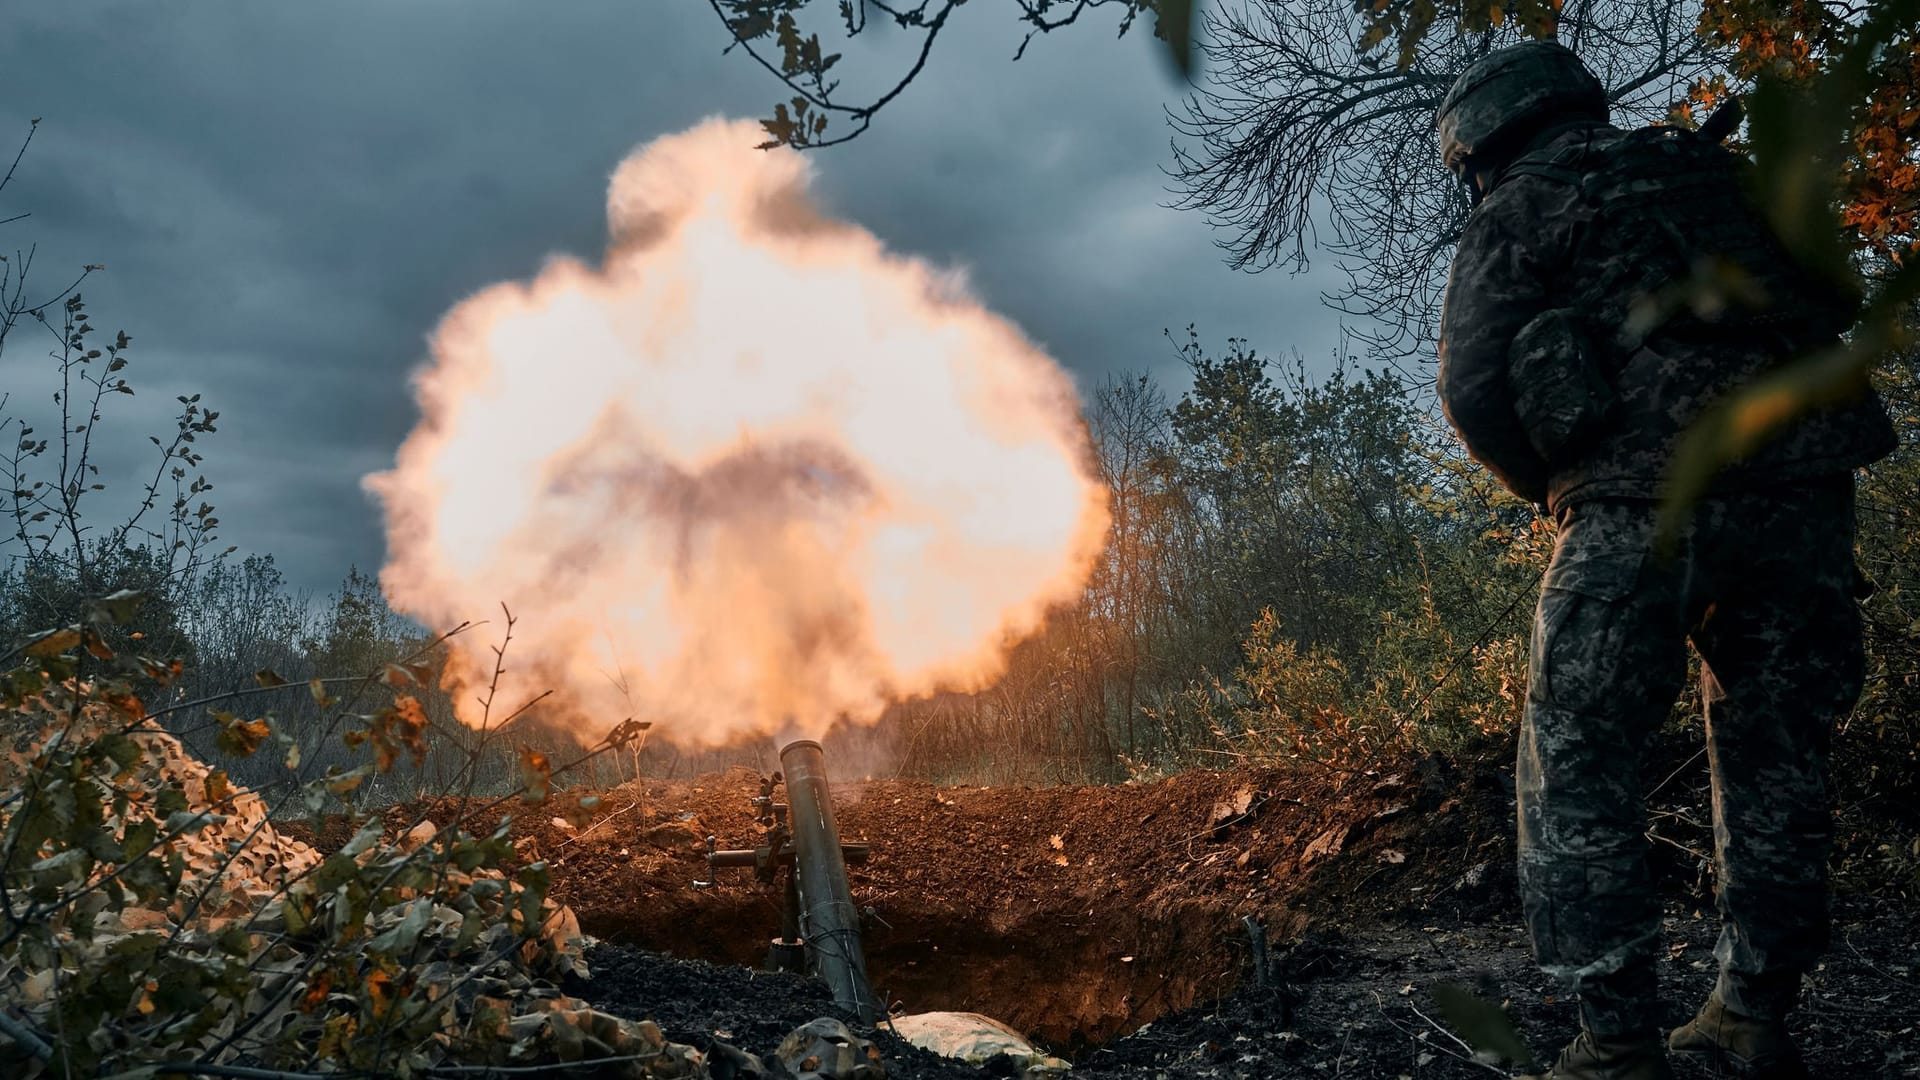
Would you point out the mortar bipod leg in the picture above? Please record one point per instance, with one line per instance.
(788, 952)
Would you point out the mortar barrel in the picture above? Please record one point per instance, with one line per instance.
(828, 921)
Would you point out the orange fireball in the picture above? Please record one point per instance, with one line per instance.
(752, 474)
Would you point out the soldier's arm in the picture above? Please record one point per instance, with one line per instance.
(1501, 278)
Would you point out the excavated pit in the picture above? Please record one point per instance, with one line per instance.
(1074, 914)
(1071, 979)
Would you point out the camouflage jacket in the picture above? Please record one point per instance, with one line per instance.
(1539, 241)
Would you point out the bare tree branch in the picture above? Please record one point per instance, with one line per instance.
(802, 63)
(1303, 140)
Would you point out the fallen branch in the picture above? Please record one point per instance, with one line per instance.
(1469, 1057)
(241, 1072)
(1875, 968)
(589, 829)
(1700, 855)
(527, 1070)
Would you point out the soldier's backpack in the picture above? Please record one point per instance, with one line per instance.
(1670, 223)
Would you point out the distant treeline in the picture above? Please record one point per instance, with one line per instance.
(1300, 569)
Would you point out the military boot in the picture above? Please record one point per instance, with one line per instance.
(1736, 1045)
(1610, 1057)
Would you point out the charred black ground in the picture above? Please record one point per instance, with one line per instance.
(1354, 1004)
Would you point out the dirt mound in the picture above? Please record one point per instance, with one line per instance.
(1073, 913)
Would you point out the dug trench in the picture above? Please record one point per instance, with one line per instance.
(1107, 922)
(1075, 914)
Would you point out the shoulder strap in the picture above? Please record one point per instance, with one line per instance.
(1545, 170)
(1567, 165)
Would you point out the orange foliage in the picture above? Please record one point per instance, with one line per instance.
(1796, 38)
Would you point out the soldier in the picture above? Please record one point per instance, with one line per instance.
(1570, 363)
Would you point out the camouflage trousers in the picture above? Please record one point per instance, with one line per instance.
(1763, 585)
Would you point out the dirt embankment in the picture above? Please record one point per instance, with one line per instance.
(1072, 913)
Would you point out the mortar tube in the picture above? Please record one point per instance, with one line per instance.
(828, 922)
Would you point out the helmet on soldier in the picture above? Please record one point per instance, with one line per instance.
(1504, 97)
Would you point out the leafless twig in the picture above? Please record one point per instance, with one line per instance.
(1467, 1057)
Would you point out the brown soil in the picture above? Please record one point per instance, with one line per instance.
(1105, 921)
(1073, 913)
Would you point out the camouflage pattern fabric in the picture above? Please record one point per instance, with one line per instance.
(1595, 220)
(1763, 585)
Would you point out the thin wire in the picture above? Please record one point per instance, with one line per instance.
(1485, 635)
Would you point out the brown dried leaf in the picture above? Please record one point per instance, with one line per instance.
(53, 642)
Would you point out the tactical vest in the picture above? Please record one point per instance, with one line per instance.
(1628, 359)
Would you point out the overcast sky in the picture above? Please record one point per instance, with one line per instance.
(288, 195)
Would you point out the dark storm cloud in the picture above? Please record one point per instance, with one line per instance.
(289, 195)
